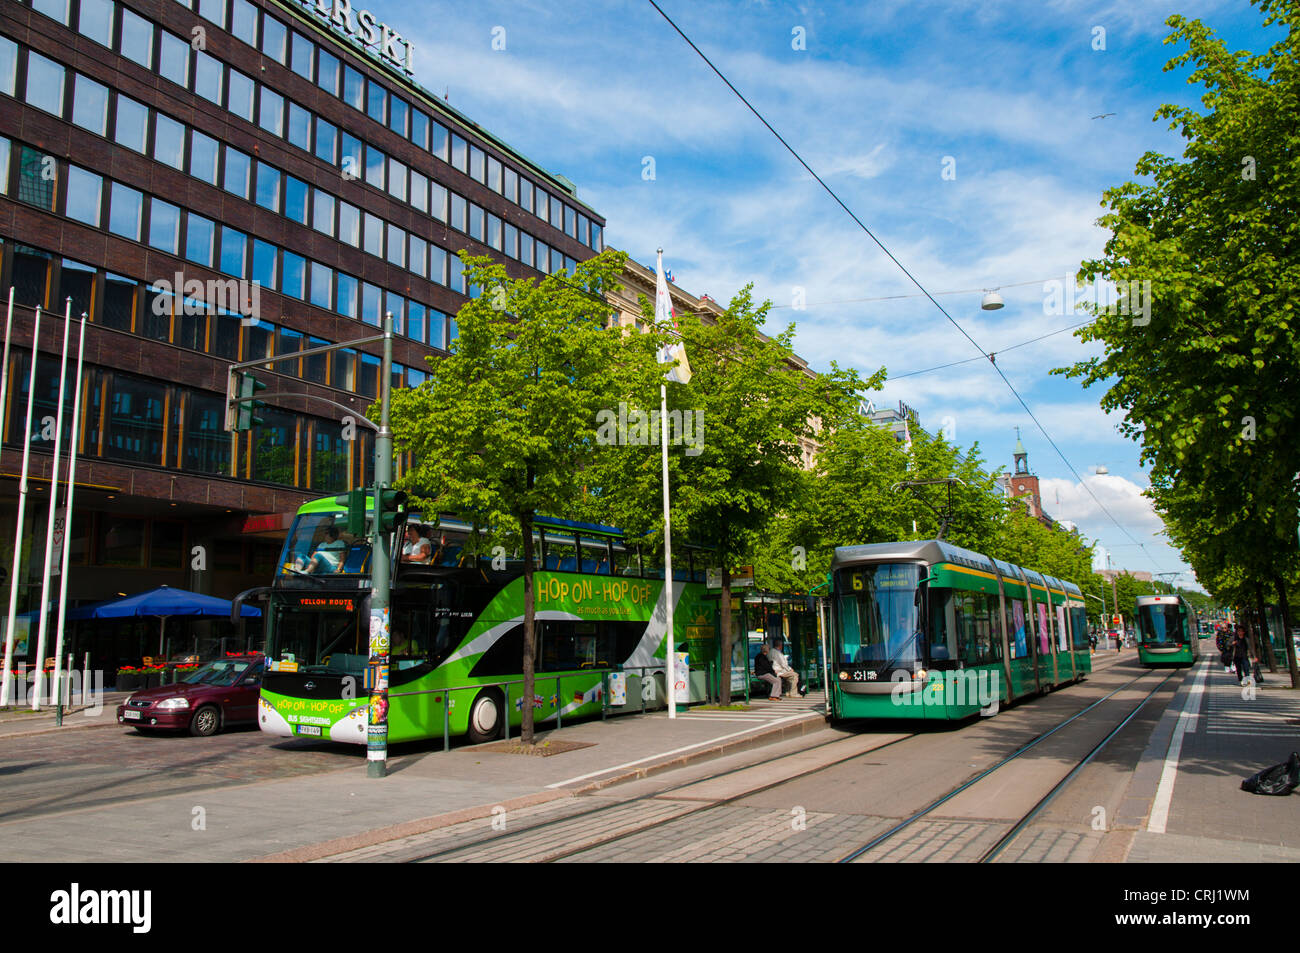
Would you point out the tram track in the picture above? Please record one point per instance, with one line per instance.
(650, 821)
(1018, 826)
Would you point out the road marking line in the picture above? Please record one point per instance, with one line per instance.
(1165, 792)
(666, 754)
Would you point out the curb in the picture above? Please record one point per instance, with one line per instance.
(814, 722)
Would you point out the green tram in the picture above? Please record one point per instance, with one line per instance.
(928, 630)
(1167, 632)
(456, 628)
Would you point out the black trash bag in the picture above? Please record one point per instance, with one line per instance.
(1280, 780)
(1259, 676)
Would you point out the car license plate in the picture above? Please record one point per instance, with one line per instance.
(309, 730)
(131, 715)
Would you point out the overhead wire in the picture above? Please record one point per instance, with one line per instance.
(881, 245)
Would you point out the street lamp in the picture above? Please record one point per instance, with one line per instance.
(992, 301)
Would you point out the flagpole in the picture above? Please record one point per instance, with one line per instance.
(67, 524)
(53, 512)
(18, 533)
(668, 535)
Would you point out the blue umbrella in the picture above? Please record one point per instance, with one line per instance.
(163, 603)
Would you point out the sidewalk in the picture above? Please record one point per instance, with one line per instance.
(21, 720)
(1185, 797)
(323, 814)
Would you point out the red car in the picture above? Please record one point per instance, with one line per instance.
(222, 692)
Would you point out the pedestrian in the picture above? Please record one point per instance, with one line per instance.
(1224, 646)
(783, 670)
(1241, 655)
(763, 670)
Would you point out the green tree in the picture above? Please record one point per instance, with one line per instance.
(1205, 370)
(505, 427)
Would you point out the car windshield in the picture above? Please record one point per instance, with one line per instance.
(220, 672)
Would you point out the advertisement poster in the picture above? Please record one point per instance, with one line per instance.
(1062, 638)
(617, 689)
(682, 677)
(1044, 645)
(1018, 613)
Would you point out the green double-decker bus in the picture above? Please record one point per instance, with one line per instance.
(1167, 632)
(928, 630)
(456, 628)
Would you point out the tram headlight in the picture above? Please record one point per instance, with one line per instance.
(844, 676)
(919, 675)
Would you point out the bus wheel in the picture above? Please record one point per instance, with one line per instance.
(485, 717)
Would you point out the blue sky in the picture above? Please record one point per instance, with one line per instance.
(879, 96)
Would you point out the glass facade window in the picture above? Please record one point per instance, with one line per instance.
(136, 40)
(4, 165)
(557, 214)
(327, 77)
(8, 66)
(494, 174)
(225, 337)
(438, 264)
(511, 187)
(343, 368)
(327, 138)
(347, 295)
(349, 224)
(371, 299)
(322, 212)
(525, 194)
(119, 303)
(131, 128)
(174, 59)
(303, 51)
(264, 259)
(206, 443)
(125, 211)
(419, 258)
(494, 231)
(419, 191)
(120, 539)
(90, 105)
(58, 9)
(275, 447)
(76, 281)
(376, 102)
(243, 21)
(570, 222)
(526, 249)
(191, 324)
(396, 246)
(457, 218)
(270, 114)
(511, 245)
(398, 111)
(420, 129)
(295, 199)
(396, 306)
(397, 177)
(95, 20)
(350, 156)
(268, 187)
(376, 163)
(31, 269)
(203, 157)
(477, 159)
(241, 97)
(164, 226)
(295, 276)
(214, 10)
(374, 239)
(438, 140)
(85, 195)
(368, 375)
(275, 38)
(234, 252)
(169, 141)
(316, 367)
(209, 76)
(134, 433)
(459, 153)
(438, 201)
(300, 130)
(475, 222)
(200, 236)
(44, 83)
(354, 88)
(543, 204)
(322, 286)
(237, 173)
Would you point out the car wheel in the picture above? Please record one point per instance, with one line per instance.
(485, 717)
(205, 722)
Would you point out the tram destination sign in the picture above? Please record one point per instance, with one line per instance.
(362, 26)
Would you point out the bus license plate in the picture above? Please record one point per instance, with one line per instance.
(131, 715)
(309, 730)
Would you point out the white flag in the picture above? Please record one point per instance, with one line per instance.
(674, 351)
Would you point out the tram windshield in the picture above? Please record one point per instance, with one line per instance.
(879, 615)
(1161, 623)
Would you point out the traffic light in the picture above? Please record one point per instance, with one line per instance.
(240, 402)
(355, 501)
(390, 509)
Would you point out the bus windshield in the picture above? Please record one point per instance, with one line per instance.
(319, 544)
(879, 615)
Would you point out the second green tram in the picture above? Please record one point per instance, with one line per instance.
(1166, 631)
(925, 629)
